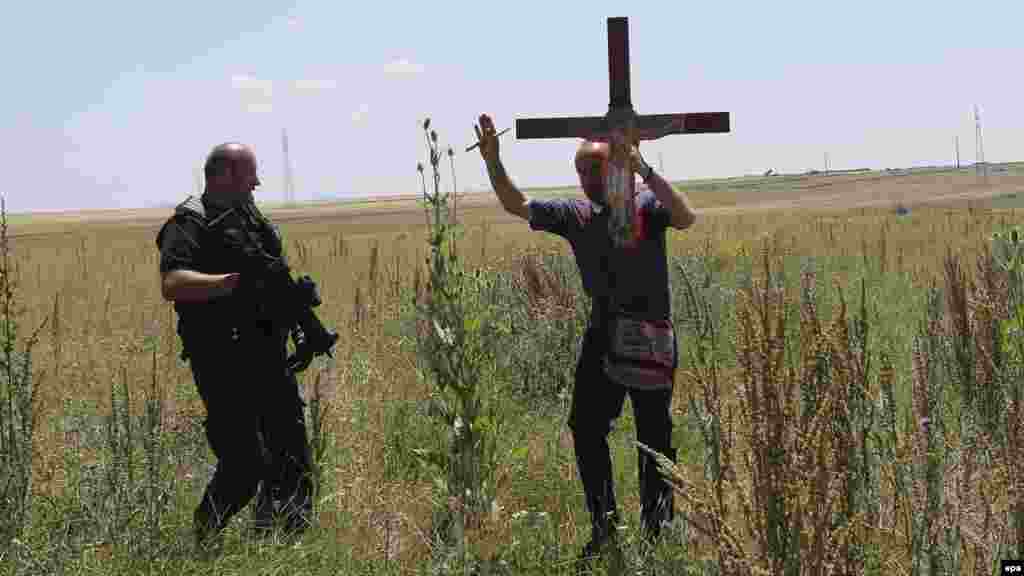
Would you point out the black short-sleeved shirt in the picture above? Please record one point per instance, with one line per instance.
(636, 277)
(179, 244)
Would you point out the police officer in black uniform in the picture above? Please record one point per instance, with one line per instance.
(237, 347)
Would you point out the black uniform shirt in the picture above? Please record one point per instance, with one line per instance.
(186, 244)
(179, 244)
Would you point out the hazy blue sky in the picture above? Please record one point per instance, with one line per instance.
(115, 104)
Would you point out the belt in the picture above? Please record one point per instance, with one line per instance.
(224, 334)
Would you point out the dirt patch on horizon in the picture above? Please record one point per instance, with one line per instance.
(818, 194)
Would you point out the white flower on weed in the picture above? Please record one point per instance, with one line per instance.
(530, 517)
(445, 334)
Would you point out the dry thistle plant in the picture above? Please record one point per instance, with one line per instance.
(792, 480)
(457, 345)
(18, 392)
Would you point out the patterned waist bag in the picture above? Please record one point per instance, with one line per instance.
(641, 354)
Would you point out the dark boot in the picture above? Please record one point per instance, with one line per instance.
(296, 505)
(604, 517)
(298, 518)
(208, 532)
(601, 547)
(264, 513)
(297, 508)
(657, 499)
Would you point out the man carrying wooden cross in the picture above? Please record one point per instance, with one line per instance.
(637, 277)
(618, 238)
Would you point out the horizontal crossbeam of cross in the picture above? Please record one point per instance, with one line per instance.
(620, 107)
(647, 127)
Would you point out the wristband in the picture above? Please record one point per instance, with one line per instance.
(650, 172)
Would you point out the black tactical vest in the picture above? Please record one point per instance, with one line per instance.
(223, 235)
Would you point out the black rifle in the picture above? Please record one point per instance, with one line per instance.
(313, 339)
(292, 301)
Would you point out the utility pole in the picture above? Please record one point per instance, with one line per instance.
(289, 184)
(826, 164)
(979, 143)
(956, 144)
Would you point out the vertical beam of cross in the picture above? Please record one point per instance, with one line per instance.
(618, 65)
(620, 106)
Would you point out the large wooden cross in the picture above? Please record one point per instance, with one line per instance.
(621, 125)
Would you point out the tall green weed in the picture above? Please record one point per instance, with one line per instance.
(457, 337)
(18, 390)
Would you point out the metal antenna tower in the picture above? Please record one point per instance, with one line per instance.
(289, 183)
(979, 152)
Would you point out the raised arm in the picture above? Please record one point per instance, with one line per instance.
(682, 214)
(511, 198)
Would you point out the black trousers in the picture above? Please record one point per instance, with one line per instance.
(255, 425)
(596, 403)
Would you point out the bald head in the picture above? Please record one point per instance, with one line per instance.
(230, 171)
(592, 167)
(227, 155)
(590, 154)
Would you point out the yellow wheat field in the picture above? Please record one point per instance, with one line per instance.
(95, 281)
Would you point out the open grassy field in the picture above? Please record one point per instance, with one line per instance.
(748, 194)
(93, 278)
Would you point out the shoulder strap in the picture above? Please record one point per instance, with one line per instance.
(191, 205)
(191, 209)
(194, 209)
